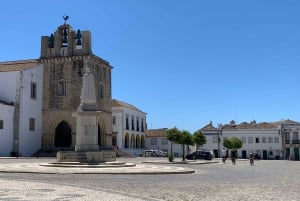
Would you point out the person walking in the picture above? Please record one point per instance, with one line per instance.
(233, 156)
(224, 155)
(251, 159)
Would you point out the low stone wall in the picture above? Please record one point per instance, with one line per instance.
(87, 156)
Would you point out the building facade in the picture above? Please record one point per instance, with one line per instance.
(129, 127)
(156, 139)
(65, 55)
(21, 85)
(262, 138)
(55, 80)
(291, 140)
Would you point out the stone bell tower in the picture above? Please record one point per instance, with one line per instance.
(65, 55)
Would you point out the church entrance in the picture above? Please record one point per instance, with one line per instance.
(63, 137)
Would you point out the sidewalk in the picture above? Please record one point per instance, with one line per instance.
(49, 166)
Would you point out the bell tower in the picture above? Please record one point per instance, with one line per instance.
(66, 42)
(65, 55)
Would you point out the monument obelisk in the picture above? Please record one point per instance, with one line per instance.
(86, 146)
(87, 116)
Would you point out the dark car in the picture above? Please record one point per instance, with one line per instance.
(200, 154)
(256, 156)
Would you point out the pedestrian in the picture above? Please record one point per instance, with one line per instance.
(224, 155)
(233, 156)
(251, 159)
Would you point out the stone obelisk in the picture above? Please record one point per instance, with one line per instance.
(87, 116)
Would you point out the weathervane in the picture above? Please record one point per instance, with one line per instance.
(65, 18)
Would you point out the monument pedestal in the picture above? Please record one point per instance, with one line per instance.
(86, 130)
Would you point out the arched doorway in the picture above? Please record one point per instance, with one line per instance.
(142, 141)
(138, 141)
(63, 137)
(126, 140)
(132, 141)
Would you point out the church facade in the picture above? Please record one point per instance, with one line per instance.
(65, 55)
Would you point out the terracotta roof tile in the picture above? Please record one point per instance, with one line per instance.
(18, 65)
(156, 132)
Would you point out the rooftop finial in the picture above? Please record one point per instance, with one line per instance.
(65, 18)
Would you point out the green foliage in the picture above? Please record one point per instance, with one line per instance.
(233, 143)
(171, 157)
(199, 138)
(173, 134)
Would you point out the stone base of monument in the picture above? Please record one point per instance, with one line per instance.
(90, 157)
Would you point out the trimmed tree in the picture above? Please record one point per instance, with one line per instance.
(173, 136)
(185, 139)
(199, 138)
(233, 143)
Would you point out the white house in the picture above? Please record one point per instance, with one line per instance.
(262, 138)
(156, 139)
(291, 140)
(6, 128)
(129, 127)
(21, 85)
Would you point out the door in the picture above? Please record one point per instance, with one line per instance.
(296, 152)
(265, 154)
(244, 154)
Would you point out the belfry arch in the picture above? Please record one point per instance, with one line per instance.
(63, 135)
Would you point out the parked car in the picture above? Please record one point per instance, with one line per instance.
(256, 156)
(149, 153)
(162, 154)
(200, 154)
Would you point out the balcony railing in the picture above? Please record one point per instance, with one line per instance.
(293, 141)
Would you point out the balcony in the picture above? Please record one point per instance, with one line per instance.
(295, 141)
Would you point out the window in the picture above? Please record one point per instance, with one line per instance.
(215, 139)
(31, 124)
(153, 141)
(164, 141)
(1, 124)
(270, 139)
(250, 139)
(127, 122)
(114, 120)
(101, 91)
(257, 140)
(142, 125)
(244, 139)
(263, 140)
(295, 135)
(62, 88)
(132, 123)
(33, 90)
(276, 139)
(137, 125)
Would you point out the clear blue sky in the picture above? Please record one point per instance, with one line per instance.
(184, 63)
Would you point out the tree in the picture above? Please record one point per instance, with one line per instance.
(185, 138)
(233, 143)
(199, 138)
(173, 136)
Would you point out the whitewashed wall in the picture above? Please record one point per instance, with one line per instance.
(30, 141)
(8, 85)
(6, 134)
(120, 113)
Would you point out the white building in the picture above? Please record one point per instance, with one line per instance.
(21, 85)
(291, 140)
(262, 138)
(156, 139)
(129, 127)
